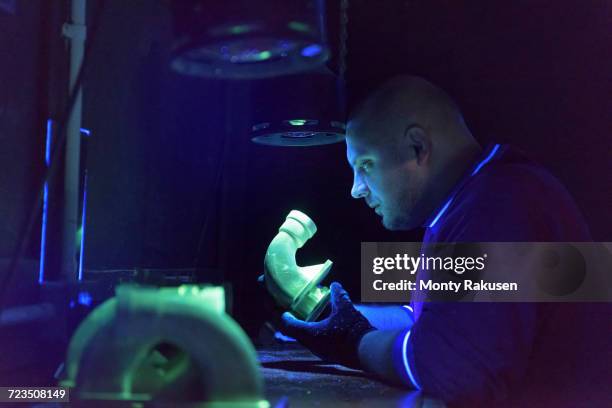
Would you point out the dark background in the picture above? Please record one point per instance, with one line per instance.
(168, 153)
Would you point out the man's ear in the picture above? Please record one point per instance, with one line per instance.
(418, 142)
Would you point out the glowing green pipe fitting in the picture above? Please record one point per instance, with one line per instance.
(166, 347)
(295, 287)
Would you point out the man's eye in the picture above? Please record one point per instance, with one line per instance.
(366, 166)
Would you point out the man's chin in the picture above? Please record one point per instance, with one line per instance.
(389, 225)
(396, 224)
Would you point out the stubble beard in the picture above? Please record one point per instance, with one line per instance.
(402, 218)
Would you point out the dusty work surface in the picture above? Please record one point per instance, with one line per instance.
(294, 377)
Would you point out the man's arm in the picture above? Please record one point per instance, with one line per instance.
(389, 317)
(376, 356)
(376, 346)
(455, 351)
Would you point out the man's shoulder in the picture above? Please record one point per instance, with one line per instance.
(503, 184)
(512, 198)
(517, 181)
(513, 177)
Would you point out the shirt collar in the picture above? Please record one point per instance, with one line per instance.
(491, 152)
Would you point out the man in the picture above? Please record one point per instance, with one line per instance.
(416, 163)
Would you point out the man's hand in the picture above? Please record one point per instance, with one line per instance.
(336, 338)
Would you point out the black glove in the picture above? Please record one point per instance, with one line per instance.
(335, 338)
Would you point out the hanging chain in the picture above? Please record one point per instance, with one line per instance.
(343, 49)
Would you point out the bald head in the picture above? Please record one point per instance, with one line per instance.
(408, 145)
(406, 100)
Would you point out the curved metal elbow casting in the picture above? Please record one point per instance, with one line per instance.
(295, 287)
(164, 347)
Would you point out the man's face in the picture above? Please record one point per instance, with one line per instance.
(387, 177)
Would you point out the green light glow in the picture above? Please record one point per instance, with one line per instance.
(240, 29)
(299, 26)
(297, 122)
(264, 55)
(289, 280)
(79, 236)
(162, 361)
(212, 296)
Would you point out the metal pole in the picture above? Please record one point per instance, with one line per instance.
(75, 30)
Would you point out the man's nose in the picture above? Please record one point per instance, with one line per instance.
(359, 189)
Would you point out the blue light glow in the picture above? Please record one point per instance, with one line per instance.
(48, 142)
(312, 50)
(408, 308)
(405, 360)
(45, 207)
(85, 299)
(43, 237)
(486, 160)
(442, 211)
(285, 339)
(82, 249)
(476, 170)
(86, 132)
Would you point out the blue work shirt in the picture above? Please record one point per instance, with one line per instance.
(514, 353)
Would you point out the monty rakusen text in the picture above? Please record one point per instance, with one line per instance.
(458, 265)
